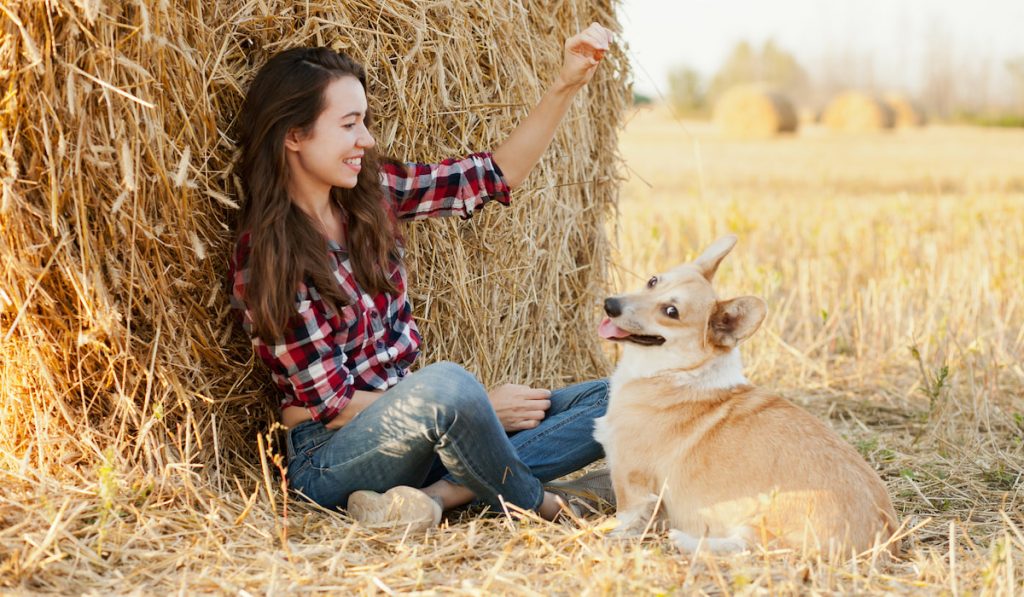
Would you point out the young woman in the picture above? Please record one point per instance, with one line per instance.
(318, 279)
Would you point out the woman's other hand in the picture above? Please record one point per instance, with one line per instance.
(519, 407)
(583, 52)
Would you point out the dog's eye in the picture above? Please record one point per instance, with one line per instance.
(652, 282)
(671, 311)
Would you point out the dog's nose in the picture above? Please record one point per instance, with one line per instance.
(612, 307)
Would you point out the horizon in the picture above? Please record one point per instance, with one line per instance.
(877, 44)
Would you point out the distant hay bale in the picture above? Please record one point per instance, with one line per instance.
(752, 111)
(118, 198)
(906, 112)
(854, 111)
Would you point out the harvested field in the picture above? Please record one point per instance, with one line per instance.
(885, 261)
(891, 266)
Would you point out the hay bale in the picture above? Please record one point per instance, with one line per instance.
(906, 112)
(118, 200)
(854, 111)
(753, 111)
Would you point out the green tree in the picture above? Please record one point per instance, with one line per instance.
(686, 90)
(770, 65)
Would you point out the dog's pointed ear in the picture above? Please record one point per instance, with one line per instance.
(708, 261)
(734, 320)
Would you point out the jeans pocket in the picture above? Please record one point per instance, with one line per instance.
(307, 437)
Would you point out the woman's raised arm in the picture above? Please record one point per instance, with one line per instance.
(521, 151)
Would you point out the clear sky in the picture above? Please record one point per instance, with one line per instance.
(891, 41)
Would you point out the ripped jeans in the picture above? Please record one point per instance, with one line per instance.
(438, 423)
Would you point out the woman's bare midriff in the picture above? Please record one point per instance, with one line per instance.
(293, 415)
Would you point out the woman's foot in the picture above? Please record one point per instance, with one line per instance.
(554, 506)
(397, 507)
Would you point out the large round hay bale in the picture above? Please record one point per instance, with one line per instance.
(753, 111)
(854, 111)
(118, 198)
(906, 112)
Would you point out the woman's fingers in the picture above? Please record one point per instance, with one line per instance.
(517, 405)
(592, 42)
(533, 415)
(583, 52)
(525, 424)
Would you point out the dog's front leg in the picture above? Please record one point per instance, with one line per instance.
(636, 505)
(636, 520)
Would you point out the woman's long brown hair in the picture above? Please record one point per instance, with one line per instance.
(286, 247)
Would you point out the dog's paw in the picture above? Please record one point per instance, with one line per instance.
(626, 528)
(688, 543)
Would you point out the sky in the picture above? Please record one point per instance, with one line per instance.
(890, 42)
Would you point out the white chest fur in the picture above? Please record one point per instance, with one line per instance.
(719, 373)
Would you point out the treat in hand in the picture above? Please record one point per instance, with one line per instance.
(583, 52)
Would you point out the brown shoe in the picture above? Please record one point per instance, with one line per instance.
(592, 492)
(400, 506)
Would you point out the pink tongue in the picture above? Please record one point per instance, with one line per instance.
(609, 330)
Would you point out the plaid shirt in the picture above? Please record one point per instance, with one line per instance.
(325, 355)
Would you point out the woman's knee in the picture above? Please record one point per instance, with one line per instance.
(447, 388)
(451, 383)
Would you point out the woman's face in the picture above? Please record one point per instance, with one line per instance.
(331, 153)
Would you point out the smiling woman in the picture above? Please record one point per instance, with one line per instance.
(320, 286)
(122, 386)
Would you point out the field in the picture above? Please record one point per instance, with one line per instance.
(892, 268)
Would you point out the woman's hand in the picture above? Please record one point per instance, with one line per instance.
(583, 52)
(519, 407)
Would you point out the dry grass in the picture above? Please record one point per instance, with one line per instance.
(856, 272)
(891, 265)
(125, 387)
(118, 200)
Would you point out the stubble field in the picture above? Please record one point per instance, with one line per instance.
(891, 267)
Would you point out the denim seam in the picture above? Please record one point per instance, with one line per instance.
(565, 421)
(294, 471)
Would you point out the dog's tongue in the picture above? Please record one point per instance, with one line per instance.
(609, 330)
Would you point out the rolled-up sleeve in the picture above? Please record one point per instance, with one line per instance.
(457, 186)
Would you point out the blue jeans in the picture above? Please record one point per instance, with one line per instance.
(439, 423)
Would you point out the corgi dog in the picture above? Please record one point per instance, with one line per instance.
(731, 465)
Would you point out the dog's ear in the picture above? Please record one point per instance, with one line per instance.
(708, 261)
(734, 320)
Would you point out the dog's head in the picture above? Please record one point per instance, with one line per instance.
(679, 310)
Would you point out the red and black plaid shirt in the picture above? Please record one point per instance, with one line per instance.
(369, 345)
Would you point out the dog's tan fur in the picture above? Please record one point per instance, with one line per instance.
(732, 464)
